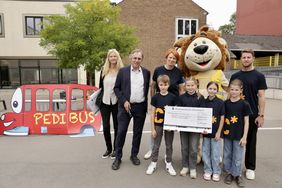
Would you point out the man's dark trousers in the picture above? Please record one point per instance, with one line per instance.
(138, 112)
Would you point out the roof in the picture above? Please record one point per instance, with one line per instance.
(262, 45)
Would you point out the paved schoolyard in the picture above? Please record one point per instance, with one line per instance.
(62, 162)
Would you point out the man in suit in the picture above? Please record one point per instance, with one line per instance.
(131, 89)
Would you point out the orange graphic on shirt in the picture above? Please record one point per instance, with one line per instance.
(213, 119)
(227, 121)
(242, 97)
(234, 119)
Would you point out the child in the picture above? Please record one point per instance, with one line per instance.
(190, 140)
(235, 132)
(158, 102)
(212, 142)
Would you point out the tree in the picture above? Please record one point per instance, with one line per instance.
(85, 33)
(231, 27)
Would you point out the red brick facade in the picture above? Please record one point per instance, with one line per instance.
(259, 17)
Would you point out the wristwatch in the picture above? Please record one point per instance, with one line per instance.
(261, 115)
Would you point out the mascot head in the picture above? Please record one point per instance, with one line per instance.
(204, 51)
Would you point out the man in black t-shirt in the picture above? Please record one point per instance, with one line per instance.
(254, 86)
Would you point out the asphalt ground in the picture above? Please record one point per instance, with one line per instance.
(59, 161)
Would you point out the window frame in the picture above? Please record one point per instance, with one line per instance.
(177, 35)
(34, 35)
(2, 34)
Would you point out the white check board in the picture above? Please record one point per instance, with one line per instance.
(188, 119)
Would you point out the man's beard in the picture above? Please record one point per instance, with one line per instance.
(247, 66)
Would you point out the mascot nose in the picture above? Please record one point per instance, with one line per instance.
(201, 49)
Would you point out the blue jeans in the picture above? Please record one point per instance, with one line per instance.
(189, 149)
(232, 157)
(211, 155)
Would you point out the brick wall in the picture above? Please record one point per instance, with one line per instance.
(155, 24)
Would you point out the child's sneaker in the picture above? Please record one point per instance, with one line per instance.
(193, 174)
(250, 174)
(184, 171)
(170, 169)
(148, 155)
(151, 168)
(215, 177)
(228, 179)
(240, 182)
(207, 176)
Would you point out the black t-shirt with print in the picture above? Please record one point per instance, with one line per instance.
(174, 75)
(159, 102)
(253, 81)
(234, 118)
(218, 110)
(191, 100)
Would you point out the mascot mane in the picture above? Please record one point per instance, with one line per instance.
(205, 32)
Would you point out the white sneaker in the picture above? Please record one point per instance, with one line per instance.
(184, 171)
(250, 174)
(148, 155)
(151, 168)
(170, 169)
(193, 174)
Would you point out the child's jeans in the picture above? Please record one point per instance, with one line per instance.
(189, 149)
(211, 155)
(168, 135)
(232, 157)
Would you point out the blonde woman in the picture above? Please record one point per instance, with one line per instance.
(109, 105)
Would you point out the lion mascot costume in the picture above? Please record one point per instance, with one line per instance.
(204, 56)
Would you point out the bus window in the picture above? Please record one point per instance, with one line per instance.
(89, 92)
(27, 105)
(42, 100)
(77, 100)
(59, 100)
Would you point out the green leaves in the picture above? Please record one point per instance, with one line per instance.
(85, 33)
(231, 27)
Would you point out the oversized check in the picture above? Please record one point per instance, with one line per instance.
(188, 119)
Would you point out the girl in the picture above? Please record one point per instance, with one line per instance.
(235, 132)
(212, 142)
(109, 101)
(190, 140)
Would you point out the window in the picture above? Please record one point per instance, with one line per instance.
(42, 100)
(2, 33)
(27, 103)
(77, 99)
(59, 100)
(185, 26)
(33, 25)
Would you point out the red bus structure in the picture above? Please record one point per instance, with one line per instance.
(50, 109)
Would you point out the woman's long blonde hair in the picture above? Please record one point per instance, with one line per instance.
(106, 67)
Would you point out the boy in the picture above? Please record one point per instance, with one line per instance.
(158, 102)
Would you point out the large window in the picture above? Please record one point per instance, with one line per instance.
(14, 73)
(185, 26)
(33, 25)
(9, 73)
(2, 33)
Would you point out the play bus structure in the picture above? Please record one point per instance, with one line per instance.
(50, 109)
